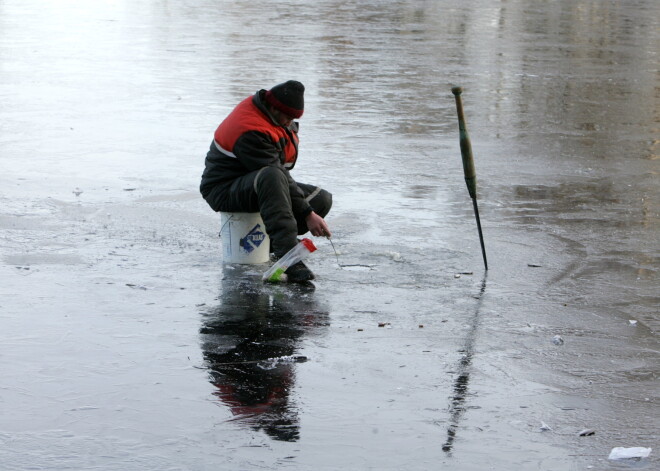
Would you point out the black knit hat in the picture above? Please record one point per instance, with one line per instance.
(288, 98)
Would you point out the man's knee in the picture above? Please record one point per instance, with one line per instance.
(270, 177)
(321, 203)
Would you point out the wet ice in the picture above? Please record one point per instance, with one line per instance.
(108, 108)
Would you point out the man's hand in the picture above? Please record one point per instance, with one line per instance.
(317, 225)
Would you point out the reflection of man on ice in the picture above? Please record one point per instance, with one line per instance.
(248, 377)
(247, 170)
(250, 346)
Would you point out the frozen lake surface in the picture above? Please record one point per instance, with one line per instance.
(127, 345)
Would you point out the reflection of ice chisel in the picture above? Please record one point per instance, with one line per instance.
(468, 164)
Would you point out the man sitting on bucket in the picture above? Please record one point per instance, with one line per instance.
(247, 170)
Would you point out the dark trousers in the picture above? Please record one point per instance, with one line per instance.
(267, 191)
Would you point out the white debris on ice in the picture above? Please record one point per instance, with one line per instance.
(623, 453)
(558, 340)
(395, 256)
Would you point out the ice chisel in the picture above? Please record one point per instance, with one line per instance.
(468, 164)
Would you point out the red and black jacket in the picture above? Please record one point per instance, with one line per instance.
(247, 117)
(247, 140)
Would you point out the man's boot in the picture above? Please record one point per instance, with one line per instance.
(299, 273)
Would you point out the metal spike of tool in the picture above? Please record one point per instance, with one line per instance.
(468, 164)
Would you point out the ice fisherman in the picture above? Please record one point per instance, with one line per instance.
(247, 170)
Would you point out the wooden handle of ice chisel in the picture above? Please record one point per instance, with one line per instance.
(466, 146)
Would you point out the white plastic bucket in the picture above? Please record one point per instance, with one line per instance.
(244, 238)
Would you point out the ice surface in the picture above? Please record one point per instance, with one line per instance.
(125, 343)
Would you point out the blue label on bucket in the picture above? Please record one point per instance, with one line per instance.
(252, 239)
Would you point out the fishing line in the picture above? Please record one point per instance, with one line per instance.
(336, 254)
(345, 266)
